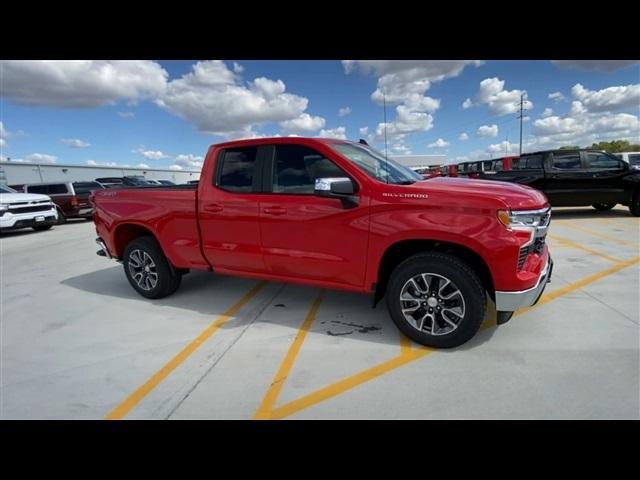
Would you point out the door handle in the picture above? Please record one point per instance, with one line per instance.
(213, 207)
(275, 210)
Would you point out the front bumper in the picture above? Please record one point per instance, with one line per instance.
(512, 301)
(23, 220)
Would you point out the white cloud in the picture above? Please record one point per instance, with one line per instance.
(557, 96)
(95, 163)
(150, 154)
(142, 165)
(499, 100)
(503, 148)
(400, 149)
(175, 167)
(41, 158)
(547, 113)
(488, 130)
(237, 68)
(216, 101)
(75, 143)
(3, 135)
(364, 130)
(126, 114)
(463, 136)
(596, 65)
(80, 83)
(440, 143)
(188, 161)
(344, 111)
(467, 103)
(607, 99)
(304, 123)
(339, 133)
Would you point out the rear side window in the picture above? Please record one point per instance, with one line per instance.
(634, 159)
(44, 189)
(236, 171)
(602, 161)
(566, 161)
(528, 162)
(297, 167)
(58, 188)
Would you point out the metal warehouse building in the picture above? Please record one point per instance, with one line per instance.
(420, 161)
(14, 173)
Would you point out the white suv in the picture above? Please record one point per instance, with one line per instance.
(20, 210)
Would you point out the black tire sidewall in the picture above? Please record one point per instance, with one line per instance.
(456, 271)
(634, 206)
(168, 278)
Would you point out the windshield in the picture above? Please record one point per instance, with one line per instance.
(5, 189)
(375, 165)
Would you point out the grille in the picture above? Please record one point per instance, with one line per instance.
(36, 208)
(522, 257)
(536, 247)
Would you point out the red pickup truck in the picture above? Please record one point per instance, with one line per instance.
(338, 214)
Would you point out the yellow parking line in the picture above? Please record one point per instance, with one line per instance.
(132, 400)
(601, 235)
(265, 409)
(572, 244)
(352, 381)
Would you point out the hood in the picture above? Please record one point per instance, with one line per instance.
(22, 197)
(512, 195)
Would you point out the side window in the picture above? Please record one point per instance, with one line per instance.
(57, 189)
(634, 159)
(296, 168)
(567, 161)
(236, 171)
(43, 189)
(535, 161)
(602, 161)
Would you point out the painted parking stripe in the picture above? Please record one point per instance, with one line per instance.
(572, 244)
(601, 235)
(132, 400)
(376, 371)
(271, 397)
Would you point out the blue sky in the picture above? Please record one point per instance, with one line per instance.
(167, 113)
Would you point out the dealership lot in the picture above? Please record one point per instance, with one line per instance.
(78, 342)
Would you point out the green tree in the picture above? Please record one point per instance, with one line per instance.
(570, 147)
(616, 146)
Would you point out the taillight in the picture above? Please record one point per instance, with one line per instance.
(74, 201)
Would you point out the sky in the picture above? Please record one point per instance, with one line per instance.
(166, 113)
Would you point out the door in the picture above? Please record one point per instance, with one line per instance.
(229, 212)
(606, 174)
(306, 236)
(567, 182)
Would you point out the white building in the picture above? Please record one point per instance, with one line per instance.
(420, 161)
(16, 173)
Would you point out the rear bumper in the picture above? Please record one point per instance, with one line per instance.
(512, 301)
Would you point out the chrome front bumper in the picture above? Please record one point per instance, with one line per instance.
(512, 301)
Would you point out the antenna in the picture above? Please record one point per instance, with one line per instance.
(386, 157)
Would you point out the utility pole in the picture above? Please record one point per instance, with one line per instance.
(520, 117)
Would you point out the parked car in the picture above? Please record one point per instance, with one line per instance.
(166, 182)
(632, 158)
(126, 181)
(71, 198)
(574, 178)
(337, 214)
(22, 210)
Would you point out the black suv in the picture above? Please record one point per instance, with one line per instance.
(576, 178)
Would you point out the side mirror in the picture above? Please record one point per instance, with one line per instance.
(341, 188)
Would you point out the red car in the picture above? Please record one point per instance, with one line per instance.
(338, 214)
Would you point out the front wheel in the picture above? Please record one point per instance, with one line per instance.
(603, 207)
(634, 206)
(436, 300)
(148, 270)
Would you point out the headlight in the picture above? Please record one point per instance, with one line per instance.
(527, 224)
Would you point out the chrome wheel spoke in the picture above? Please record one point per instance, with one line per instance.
(143, 269)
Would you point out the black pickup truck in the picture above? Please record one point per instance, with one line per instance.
(575, 178)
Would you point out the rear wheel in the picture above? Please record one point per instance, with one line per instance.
(148, 270)
(603, 206)
(634, 206)
(436, 300)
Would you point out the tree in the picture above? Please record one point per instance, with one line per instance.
(570, 147)
(616, 146)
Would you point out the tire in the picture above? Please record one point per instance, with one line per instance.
(145, 252)
(42, 228)
(441, 267)
(61, 218)
(634, 206)
(603, 207)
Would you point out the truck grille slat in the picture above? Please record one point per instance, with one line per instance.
(36, 208)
